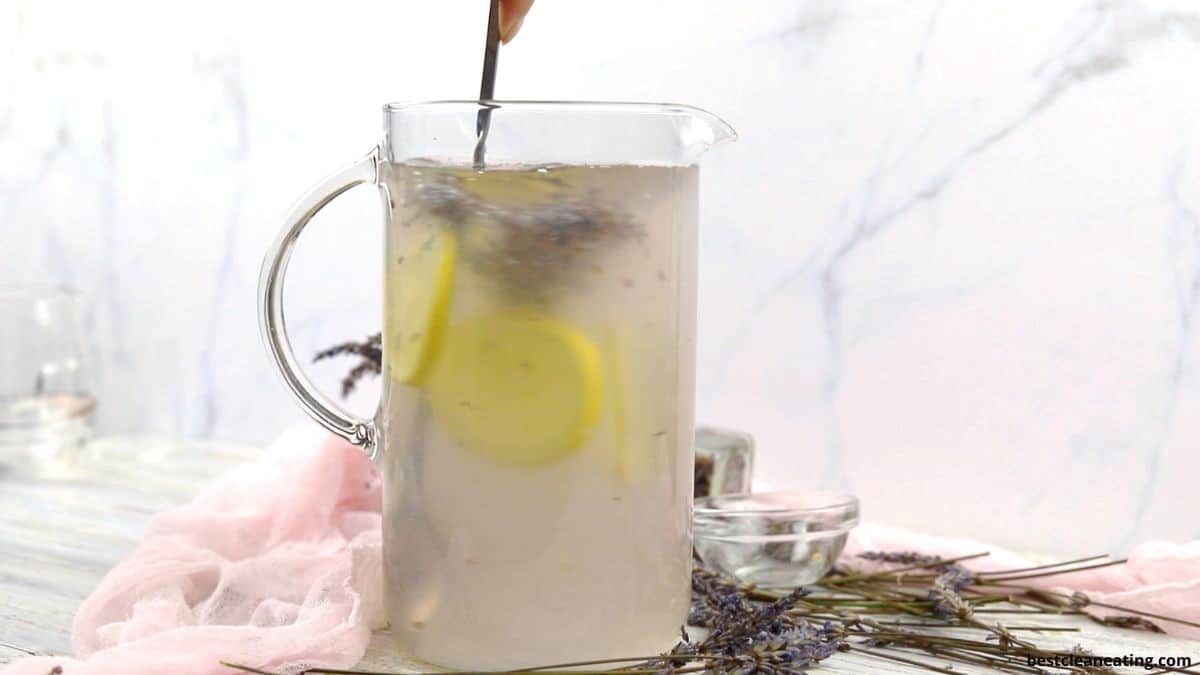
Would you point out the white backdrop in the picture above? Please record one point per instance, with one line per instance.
(953, 264)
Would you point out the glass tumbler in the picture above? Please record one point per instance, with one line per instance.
(46, 398)
(724, 461)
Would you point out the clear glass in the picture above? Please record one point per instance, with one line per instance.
(536, 425)
(724, 461)
(774, 539)
(46, 398)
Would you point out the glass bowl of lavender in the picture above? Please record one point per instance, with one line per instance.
(775, 540)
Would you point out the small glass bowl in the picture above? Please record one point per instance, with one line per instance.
(774, 540)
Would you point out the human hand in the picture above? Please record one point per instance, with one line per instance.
(512, 15)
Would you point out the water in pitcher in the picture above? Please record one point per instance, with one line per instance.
(536, 420)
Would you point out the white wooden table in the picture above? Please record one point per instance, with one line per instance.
(60, 532)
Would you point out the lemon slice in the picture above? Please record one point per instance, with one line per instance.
(517, 387)
(420, 282)
(628, 464)
(639, 385)
(510, 188)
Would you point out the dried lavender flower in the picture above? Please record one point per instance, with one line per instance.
(1132, 622)
(956, 577)
(898, 557)
(758, 637)
(370, 353)
(527, 249)
(945, 595)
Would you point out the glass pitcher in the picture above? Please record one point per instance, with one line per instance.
(535, 428)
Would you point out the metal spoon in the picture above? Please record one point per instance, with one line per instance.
(487, 87)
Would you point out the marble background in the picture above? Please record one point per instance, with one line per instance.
(953, 264)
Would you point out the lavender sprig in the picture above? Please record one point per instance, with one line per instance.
(370, 353)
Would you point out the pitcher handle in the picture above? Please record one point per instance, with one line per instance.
(360, 432)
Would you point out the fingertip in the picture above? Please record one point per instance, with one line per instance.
(512, 15)
(508, 32)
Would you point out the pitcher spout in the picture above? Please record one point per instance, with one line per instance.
(709, 130)
(700, 131)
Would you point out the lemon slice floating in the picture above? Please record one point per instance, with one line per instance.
(521, 188)
(517, 387)
(419, 286)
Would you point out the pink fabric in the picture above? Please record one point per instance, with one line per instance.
(275, 566)
(1160, 577)
(278, 566)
